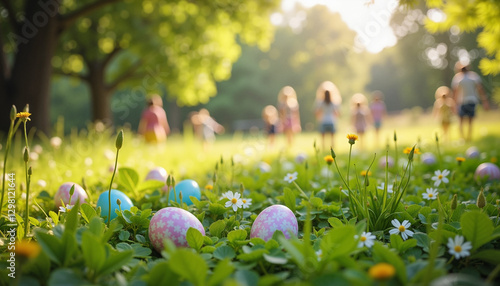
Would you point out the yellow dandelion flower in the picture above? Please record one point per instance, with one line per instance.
(209, 187)
(352, 138)
(407, 150)
(27, 249)
(365, 173)
(382, 271)
(23, 115)
(329, 159)
(460, 159)
(493, 160)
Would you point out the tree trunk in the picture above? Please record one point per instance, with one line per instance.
(32, 70)
(100, 94)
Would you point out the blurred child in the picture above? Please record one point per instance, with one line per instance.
(378, 111)
(361, 116)
(444, 108)
(288, 111)
(270, 117)
(208, 127)
(327, 110)
(154, 125)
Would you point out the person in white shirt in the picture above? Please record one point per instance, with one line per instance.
(467, 90)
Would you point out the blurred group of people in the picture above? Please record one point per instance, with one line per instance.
(285, 116)
(465, 93)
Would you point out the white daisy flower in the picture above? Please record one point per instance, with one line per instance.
(234, 200)
(224, 195)
(401, 228)
(290, 177)
(367, 239)
(440, 177)
(458, 247)
(65, 209)
(430, 194)
(246, 203)
(390, 187)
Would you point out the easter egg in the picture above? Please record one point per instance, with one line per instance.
(472, 152)
(172, 223)
(103, 202)
(158, 173)
(273, 218)
(63, 194)
(386, 160)
(428, 158)
(487, 170)
(187, 188)
(300, 158)
(264, 167)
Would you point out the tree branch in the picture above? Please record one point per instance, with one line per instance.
(110, 56)
(70, 18)
(125, 75)
(71, 74)
(12, 16)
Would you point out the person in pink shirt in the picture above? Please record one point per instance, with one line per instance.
(378, 111)
(154, 125)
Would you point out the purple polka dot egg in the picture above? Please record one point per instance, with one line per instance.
(273, 218)
(487, 171)
(172, 223)
(63, 194)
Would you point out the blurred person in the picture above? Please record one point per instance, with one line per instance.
(288, 112)
(208, 127)
(327, 113)
(153, 124)
(444, 108)
(270, 117)
(360, 116)
(467, 90)
(378, 111)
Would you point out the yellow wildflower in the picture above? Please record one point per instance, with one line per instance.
(365, 173)
(407, 150)
(352, 138)
(209, 187)
(328, 159)
(27, 249)
(382, 271)
(23, 115)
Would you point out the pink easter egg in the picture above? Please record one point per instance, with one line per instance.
(172, 223)
(158, 173)
(273, 218)
(487, 170)
(63, 193)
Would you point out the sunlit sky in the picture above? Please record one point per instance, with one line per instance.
(369, 20)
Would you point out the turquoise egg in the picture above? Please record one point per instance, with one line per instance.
(188, 188)
(103, 202)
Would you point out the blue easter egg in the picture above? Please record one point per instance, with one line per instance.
(103, 202)
(188, 188)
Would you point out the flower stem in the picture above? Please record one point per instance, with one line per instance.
(110, 185)
(27, 215)
(349, 164)
(12, 130)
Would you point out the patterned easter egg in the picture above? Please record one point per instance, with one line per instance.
(103, 202)
(383, 160)
(187, 188)
(487, 170)
(428, 158)
(158, 173)
(63, 193)
(172, 223)
(273, 218)
(472, 152)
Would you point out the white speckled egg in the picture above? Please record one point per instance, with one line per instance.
(158, 173)
(273, 218)
(63, 193)
(172, 223)
(487, 170)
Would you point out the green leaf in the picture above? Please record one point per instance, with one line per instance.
(124, 235)
(335, 222)
(254, 255)
(224, 252)
(217, 209)
(88, 212)
(477, 228)
(189, 266)
(236, 235)
(115, 261)
(161, 274)
(217, 228)
(72, 219)
(54, 217)
(128, 178)
(339, 242)
(384, 254)
(194, 238)
(423, 240)
(220, 272)
(491, 256)
(290, 200)
(93, 251)
(66, 277)
(51, 245)
(275, 259)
